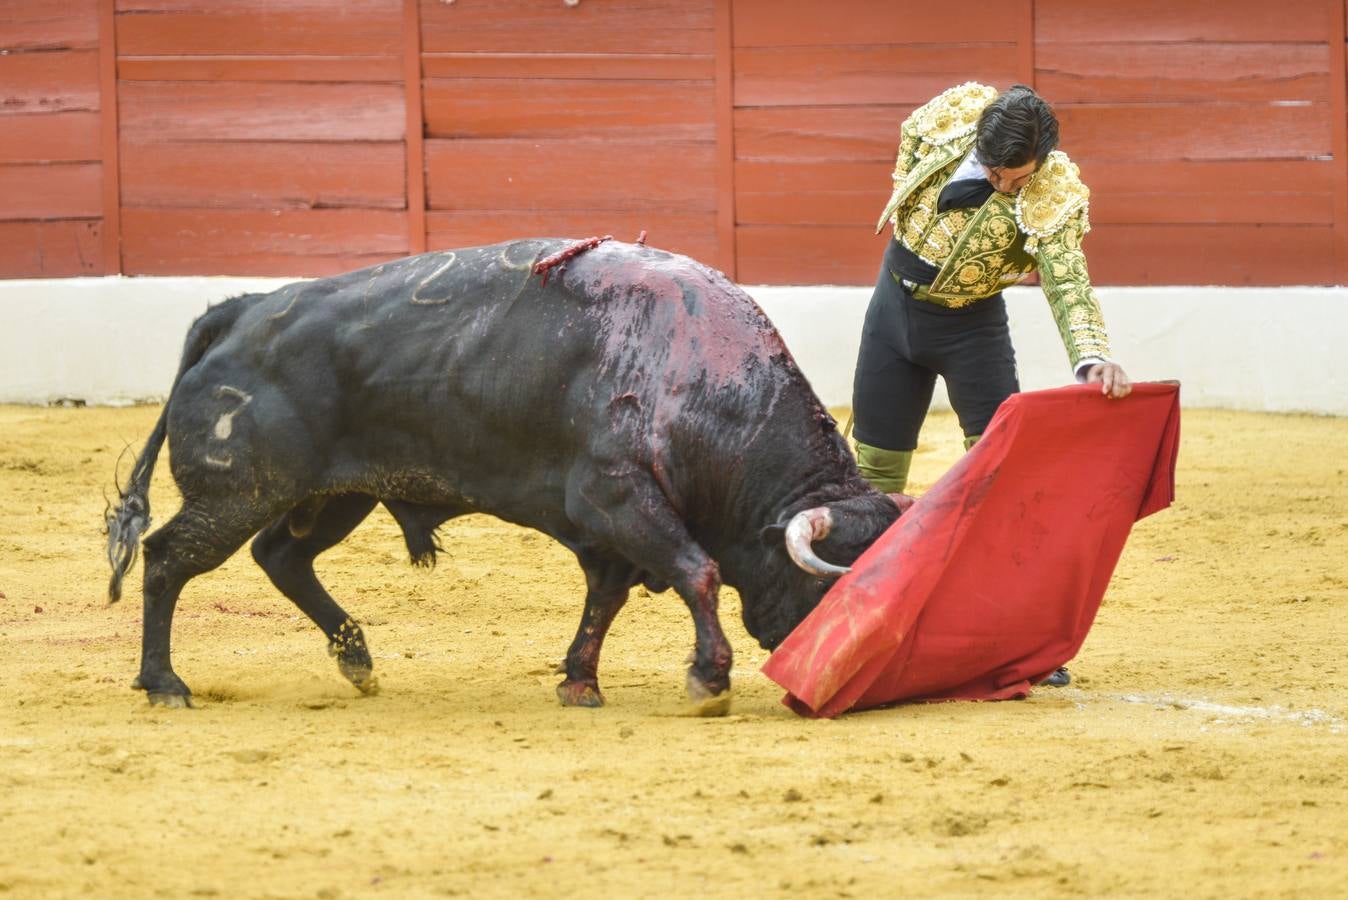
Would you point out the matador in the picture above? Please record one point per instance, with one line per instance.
(982, 199)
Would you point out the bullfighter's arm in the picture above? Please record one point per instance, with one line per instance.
(1067, 286)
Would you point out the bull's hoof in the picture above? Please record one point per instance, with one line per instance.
(358, 671)
(580, 693)
(710, 707)
(167, 690)
(353, 658)
(364, 680)
(704, 700)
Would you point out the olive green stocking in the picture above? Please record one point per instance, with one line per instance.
(886, 470)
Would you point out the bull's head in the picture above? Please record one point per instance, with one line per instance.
(818, 544)
(815, 523)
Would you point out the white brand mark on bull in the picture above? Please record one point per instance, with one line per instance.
(507, 263)
(224, 426)
(433, 301)
(220, 462)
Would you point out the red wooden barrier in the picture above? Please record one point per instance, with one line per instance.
(50, 169)
(571, 121)
(754, 135)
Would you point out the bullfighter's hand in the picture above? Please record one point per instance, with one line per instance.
(1113, 381)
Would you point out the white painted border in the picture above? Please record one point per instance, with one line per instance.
(116, 340)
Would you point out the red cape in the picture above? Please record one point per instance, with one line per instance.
(992, 579)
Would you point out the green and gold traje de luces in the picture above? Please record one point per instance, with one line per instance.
(978, 252)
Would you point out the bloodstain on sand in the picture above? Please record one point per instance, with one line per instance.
(1202, 749)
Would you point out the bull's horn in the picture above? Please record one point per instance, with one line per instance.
(804, 528)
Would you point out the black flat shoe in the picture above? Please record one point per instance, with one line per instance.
(1060, 678)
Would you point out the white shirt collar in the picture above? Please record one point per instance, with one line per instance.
(970, 168)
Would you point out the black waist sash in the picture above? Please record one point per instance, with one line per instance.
(904, 263)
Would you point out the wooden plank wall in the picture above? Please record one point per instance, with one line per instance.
(287, 136)
(544, 118)
(1338, 117)
(819, 97)
(260, 137)
(1206, 136)
(51, 172)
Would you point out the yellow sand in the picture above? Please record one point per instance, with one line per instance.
(1202, 750)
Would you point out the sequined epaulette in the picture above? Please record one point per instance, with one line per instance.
(1051, 198)
(953, 113)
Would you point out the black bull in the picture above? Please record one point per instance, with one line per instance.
(637, 407)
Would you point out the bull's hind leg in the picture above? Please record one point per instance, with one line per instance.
(286, 550)
(607, 581)
(193, 542)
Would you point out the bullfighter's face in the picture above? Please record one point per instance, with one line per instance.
(1009, 179)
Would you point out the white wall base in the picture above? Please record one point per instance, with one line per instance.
(117, 340)
(1261, 349)
(106, 341)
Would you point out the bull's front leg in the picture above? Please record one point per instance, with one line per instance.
(708, 679)
(628, 512)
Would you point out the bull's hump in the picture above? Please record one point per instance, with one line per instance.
(673, 306)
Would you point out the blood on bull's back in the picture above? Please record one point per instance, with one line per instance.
(415, 376)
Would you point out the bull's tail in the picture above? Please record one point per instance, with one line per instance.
(130, 518)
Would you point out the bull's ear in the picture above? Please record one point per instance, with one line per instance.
(773, 535)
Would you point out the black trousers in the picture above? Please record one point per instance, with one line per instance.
(906, 343)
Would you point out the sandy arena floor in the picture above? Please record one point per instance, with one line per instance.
(1201, 752)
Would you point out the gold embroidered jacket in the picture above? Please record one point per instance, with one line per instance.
(980, 251)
